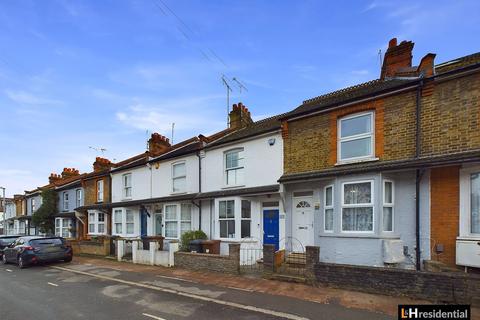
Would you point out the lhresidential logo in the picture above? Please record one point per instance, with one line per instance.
(434, 312)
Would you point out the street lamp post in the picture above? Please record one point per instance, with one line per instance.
(4, 210)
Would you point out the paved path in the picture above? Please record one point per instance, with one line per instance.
(87, 291)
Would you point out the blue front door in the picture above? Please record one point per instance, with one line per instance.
(143, 222)
(270, 227)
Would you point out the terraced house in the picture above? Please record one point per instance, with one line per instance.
(387, 172)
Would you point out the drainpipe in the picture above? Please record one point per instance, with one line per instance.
(418, 175)
(199, 190)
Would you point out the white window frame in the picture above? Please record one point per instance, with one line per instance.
(465, 203)
(355, 137)
(61, 226)
(32, 205)
(127, 189)
(178, 218)
(371, 204)
(328, 207)
(96, 222)
(239, 168)
(235, 219)
(245, 219)
(124, 223)
(388, 205)
(66, 200)
(114, 223)
(100, 188)
(179, 177)
(79, 195)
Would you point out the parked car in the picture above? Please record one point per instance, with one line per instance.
(32, 250)
(5, 241)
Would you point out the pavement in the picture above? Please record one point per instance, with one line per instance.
(96, 288)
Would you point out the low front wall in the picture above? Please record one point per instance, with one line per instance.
(210, 262)
(99, 247)
(440, 287)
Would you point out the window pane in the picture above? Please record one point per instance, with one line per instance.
(329, 219)
(101, 228)
(171, 229)
(186, 212)
(328, 196)
(129, 216)
(227, 228)
(357, 193)
(475, 202)
(231, 177)
(387, 219)
(246, 228)
(91, 228)
(57, 222)
(179, 170)
(222, 209)
(171, 212)
(118, 228)
(231, 209)
(223, 228)
(129, 228)
(357, 219)
(101, 217)
(246, 209)
(179, 184)
(185, 226)
(388, 192)
(118, 216)
(357, 125)
(356, 148)
(231, 159)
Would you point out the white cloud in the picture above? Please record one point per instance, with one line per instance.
(24, 97)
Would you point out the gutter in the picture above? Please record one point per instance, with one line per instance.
(199, 190)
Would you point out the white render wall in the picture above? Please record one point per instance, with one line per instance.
(162, 176)
(263, 163)
(140, 184)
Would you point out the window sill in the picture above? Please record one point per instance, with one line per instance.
(469, 238)
(341, 163)
(178, 193)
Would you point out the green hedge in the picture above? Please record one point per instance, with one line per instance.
(189, 236)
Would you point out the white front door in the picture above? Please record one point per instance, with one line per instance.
(303, 221)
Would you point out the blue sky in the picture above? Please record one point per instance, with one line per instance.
(102, 73)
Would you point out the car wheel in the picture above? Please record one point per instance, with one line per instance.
(20, 262)
(4, 259)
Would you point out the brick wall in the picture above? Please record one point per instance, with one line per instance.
(90, 190)
(450, 122)
(451, 117)
(440, 287)
(444, 211)
(210, 262)
(100, 247)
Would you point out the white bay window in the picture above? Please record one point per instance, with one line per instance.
(178, 219)
(124, 221)
(233, 215)
(62, 227)
(356, 137)
(96, 223)
(388, 204)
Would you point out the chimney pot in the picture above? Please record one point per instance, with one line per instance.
(392, 43)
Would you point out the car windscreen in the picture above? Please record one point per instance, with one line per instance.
(7, 241)
(46, 242)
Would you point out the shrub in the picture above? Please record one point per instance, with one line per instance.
(189, 236)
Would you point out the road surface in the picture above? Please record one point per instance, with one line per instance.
(68, 291)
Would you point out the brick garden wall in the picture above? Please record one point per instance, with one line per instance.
(210, 262)
(434, 286)
(100, 247)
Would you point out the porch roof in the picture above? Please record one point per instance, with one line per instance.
(376, 166)
(239, 192)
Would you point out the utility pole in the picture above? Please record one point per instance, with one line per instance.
(4, 210)
(173, 129)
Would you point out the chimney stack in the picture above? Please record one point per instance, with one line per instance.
(398, 58)
(54, 178)
(239, 117)
(158, 144)
(101, 164)
(69, 172)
